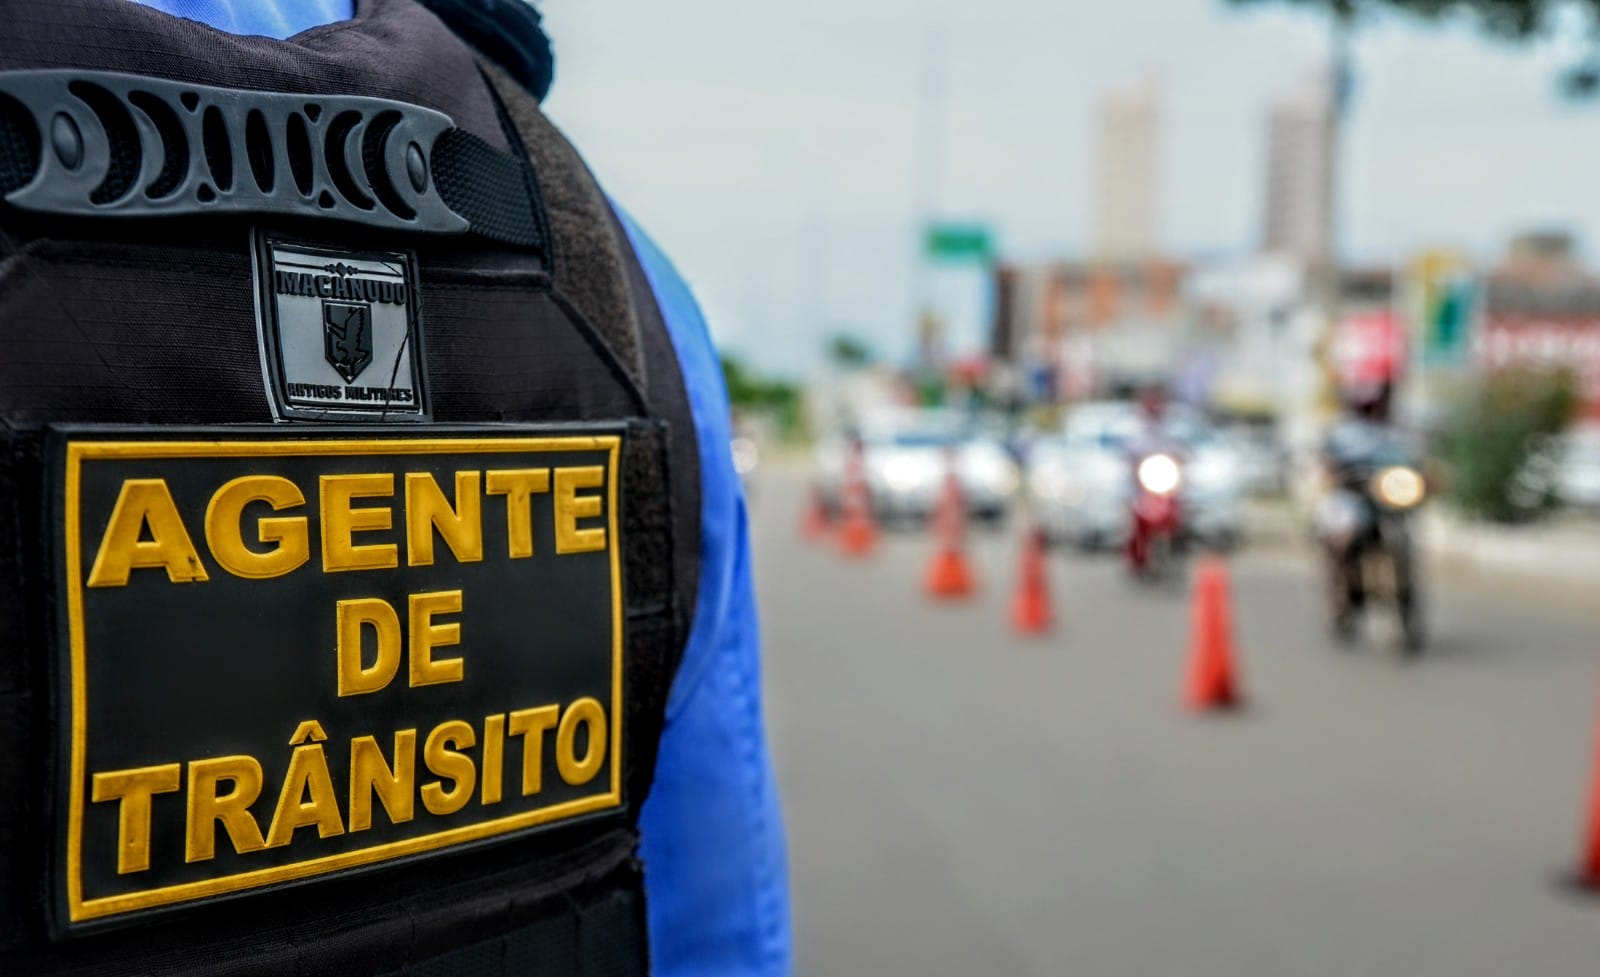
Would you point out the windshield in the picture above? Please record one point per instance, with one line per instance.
(923, 439)
(1115, 428)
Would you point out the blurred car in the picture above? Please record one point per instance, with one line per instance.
(1263, 461)
(1080, 482)
(1559, 470)
(1576, 471)
(905, 454)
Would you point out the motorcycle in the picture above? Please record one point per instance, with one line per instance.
(1156, 534)
(1365, 527)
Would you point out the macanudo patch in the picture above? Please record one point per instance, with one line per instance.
(288, 658)
(339, 332)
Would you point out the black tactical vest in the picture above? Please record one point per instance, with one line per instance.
(349, 506)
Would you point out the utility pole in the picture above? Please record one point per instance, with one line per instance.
(928, 178)
(1325, 271)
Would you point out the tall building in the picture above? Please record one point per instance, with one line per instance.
(1299, 204)
(1127, 174)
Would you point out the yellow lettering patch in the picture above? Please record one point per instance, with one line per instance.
(287, 658)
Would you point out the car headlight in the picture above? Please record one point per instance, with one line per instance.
(1008, 478)
(901, 474)
(1067, 492)
(1055, 484)
(990, 472)
(1399, 487)
(1160, 475)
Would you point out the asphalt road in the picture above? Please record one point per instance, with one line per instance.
(962, 802)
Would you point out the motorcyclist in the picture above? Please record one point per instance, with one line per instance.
(1363, 429)
(1153, 439)
(1370, 465)
(1154, 435)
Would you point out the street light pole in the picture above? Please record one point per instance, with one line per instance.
(1326, 267)
(928, 168)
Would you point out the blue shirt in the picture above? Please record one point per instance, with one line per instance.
(716, 870)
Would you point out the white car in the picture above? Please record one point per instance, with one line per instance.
(1263, 462)
(1577, 467)
(1080, 482)
(906, 454)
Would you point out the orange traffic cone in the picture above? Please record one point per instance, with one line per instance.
(949, 577)
(1588, 875)
(858, 534)
(1212, 683)
(814, 521)
(1030, 608)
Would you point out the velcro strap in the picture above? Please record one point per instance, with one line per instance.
(489, 188)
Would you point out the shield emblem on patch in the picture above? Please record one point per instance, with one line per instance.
(347, 337)
(330, 320)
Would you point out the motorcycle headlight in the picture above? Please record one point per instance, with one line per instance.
(1399, 487)
(989, 471)
(1160, 474)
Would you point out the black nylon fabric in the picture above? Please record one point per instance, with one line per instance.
(597, 939)
(667, 393)
(339, 935)
(154, 324)
(19, 145)
(584, 229)
(508, 32)
(581, 234)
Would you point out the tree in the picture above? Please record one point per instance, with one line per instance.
(1494, 437)
(1511, 20)
(750, 392)
(849, 351)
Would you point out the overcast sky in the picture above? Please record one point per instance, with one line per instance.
(771, 147)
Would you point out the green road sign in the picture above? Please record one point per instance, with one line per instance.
(957, 242)
(1449, 321)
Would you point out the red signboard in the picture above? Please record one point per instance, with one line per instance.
(1507, 340)
(1369, 349)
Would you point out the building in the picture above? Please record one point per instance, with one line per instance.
(1127, 175)
(1250, 325)
(1077, 329)
(1541, 307)
(1298, 212)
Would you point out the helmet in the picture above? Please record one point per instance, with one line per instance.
(1153, 401)
(1368, 399)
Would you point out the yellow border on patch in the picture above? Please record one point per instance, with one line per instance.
(79, 451)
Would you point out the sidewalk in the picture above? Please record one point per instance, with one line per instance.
(1557, 558)
(1554, 563)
